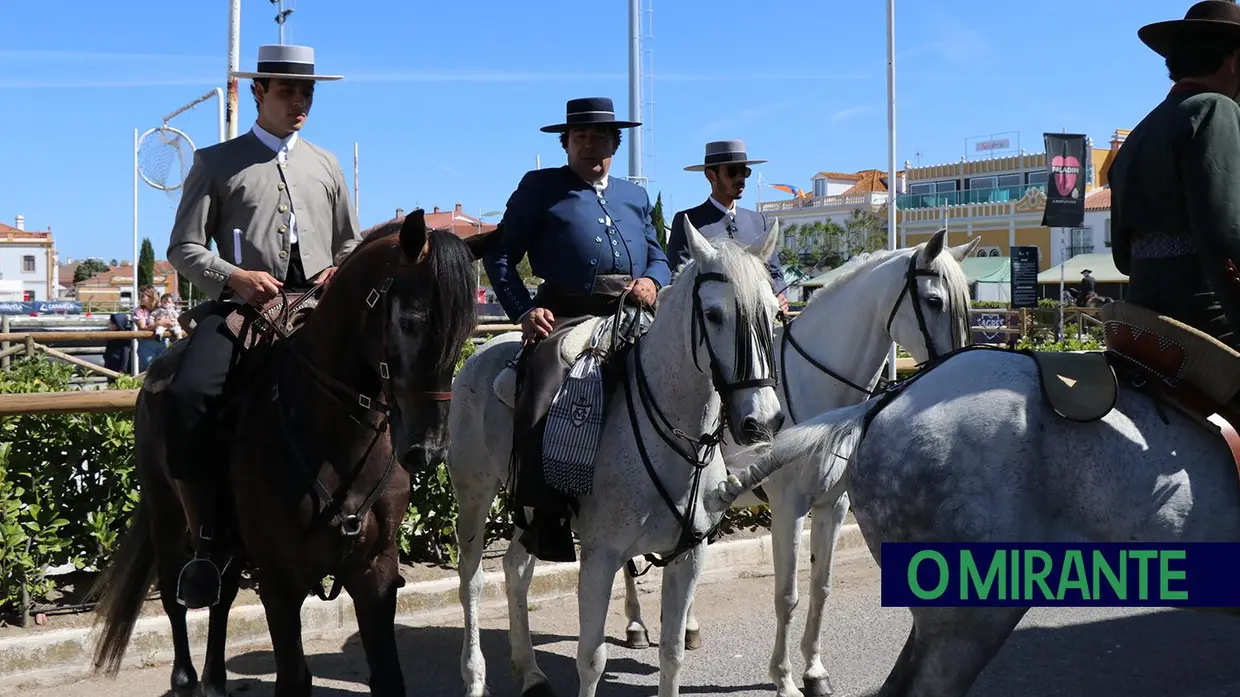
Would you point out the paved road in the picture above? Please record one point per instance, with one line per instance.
(1054, 653)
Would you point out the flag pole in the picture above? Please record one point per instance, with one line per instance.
(891, 152)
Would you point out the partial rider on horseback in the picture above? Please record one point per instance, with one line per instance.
(1175, 182)
(278, 210)
(591, 238)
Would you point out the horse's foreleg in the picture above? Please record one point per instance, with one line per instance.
(214, 671)
(594, 583)
(679, 583)
(471, 524)
(282, 601)
(518, 574)
(826, 523)
(787, 519)
(373, 590)
(636, 636)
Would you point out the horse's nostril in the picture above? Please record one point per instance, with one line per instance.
(777, 422)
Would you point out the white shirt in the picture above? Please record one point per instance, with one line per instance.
(731, 212)
(281, 147)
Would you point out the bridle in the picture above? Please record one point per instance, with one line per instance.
(909, 288)
(701, 450)
(350, 399)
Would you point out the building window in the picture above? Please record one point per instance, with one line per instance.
(1038, 178)
(1009, 180)
(28, 263)
(820, 187)
(1081, 241)
(919, 189)
(982, 182)
(1106, 234)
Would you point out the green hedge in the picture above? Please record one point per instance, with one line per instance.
(68, 488)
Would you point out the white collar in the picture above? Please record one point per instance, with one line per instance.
(276, 144)
(718, 205)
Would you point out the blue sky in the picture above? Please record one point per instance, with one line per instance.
(445, 99)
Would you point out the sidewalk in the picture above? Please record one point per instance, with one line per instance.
(57, 656)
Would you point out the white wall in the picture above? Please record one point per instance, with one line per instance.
(12, 268)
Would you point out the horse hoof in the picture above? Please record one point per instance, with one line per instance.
(542, 689)
(637, 639)
(693, 640)
(818, 687)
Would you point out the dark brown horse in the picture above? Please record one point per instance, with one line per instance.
(330, 422)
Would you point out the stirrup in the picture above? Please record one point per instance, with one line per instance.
(202, 568)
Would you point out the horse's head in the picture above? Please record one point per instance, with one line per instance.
(413, 291)
(731, 326)
(930, 310)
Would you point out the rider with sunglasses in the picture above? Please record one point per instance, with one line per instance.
(727, 167)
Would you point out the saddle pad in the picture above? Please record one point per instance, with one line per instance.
(574, 427)
(597, 333)
(251, 326)
(1078, 386)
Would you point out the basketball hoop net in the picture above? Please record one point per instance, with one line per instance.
(164, 157)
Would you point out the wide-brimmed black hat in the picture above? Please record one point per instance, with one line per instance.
(724, 152)
(1210, 18)
(589, 111)
(286, 61)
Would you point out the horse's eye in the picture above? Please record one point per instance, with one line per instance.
(714, 315)
(935, 303)
(409, 323)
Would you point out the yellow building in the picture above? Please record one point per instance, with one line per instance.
(1000, 200)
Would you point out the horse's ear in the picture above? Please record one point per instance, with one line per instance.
(765, 246)
(699, 247)
(481, 244)
(413, 235)
(961, 251)
(934, 247)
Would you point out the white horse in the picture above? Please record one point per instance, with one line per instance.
(971, 451)
(831, 355)
(721, 301)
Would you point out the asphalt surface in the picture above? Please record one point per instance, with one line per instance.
(1068, 652)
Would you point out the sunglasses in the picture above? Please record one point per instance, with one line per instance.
(737, 170)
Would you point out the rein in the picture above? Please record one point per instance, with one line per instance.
(349, 399)
(909, 288)
(701, 450)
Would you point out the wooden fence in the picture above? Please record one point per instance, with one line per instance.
(33, 343)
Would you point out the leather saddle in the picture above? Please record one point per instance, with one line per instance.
(1178, 365)
(279, 317)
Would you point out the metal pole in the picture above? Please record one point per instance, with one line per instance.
(219, 104)
(1063, 265)
(891, 152)
(234, 64)
(635, 90)
(133, 301)
(356, 207)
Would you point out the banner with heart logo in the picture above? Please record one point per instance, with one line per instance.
(1065, 180)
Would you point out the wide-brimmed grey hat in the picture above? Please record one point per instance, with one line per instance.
(724, 152)
(286, 61)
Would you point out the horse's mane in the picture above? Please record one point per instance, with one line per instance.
(449, 287)
(748, 276)
(952, 273)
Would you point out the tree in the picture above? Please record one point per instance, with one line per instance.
(816, 245)
(660, 227)
(88, 268)
(146, 264)
(864, 232)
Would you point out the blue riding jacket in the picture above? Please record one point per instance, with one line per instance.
(572, 234)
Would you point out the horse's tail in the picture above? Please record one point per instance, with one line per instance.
(813, 441)
(122, 589)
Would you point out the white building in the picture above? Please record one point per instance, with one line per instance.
(27, 263)
(835, 197)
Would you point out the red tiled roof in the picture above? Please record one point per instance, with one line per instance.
(33, 235)
(163, 268)
(841, 175)
(459, 223)
(871, 180)
(1100, 200)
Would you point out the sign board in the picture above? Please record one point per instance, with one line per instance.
(998, 144)
(1024, 277)
(1066, 162)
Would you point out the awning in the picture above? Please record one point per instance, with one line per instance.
(1101, 267)
(823, 278)
(988, 269)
